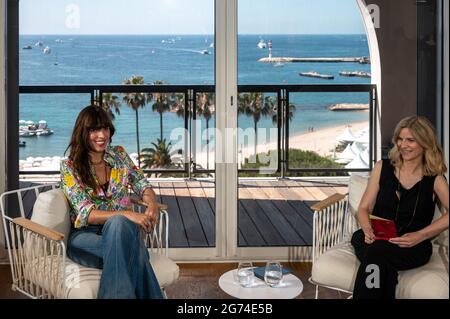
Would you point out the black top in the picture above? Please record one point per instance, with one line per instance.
(387, 203)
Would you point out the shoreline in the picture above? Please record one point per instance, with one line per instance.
(322, 141)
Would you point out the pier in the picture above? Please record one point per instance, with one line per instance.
(361, 60)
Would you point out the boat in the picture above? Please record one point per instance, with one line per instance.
(27, 47)
(262, 44)
(22, 143)
(31, 129)
(47, 50)
(211, 45)
(317, 75)
(349, 107)
(360, 74)
(204, 51)
(39, 44)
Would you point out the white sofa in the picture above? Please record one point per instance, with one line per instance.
(37, 250)
(335, 264)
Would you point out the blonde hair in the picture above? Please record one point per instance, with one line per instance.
(425, 135)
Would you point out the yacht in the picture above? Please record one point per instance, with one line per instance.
(262, 44)
(204, 51)
(47, 50)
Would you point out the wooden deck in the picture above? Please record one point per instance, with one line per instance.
(271, 213)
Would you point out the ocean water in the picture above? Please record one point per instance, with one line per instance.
(177, 60)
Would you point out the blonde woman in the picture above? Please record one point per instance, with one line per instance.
(404, 188)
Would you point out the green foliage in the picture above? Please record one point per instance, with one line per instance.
(297, 159)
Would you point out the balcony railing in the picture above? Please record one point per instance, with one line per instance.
(188, 95)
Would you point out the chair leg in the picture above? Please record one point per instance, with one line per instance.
(317, 292)
(163, 290)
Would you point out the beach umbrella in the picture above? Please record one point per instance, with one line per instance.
(346, 136)
(29, 122)
(347, 154)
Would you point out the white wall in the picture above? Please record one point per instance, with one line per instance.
(2, 118)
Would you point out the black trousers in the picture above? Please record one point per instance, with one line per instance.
(380, 263)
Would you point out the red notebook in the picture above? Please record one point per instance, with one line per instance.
(384, 229)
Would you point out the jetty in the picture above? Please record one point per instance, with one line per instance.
(356, 73)
(349, 107)
(317, 75)
(361, 60)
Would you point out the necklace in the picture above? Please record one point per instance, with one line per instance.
(399, 196)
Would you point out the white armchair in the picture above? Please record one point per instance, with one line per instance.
(334, 261)
(37, 248)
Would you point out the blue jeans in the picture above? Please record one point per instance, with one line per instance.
(117, 248)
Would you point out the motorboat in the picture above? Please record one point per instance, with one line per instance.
(22, 143)
(31, 129)
(47, 50)
(317, 75)
(27, 47)
(262, 44)
(361, 74)
(39, 44)
(204, 51)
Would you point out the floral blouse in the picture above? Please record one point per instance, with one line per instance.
(83, 199)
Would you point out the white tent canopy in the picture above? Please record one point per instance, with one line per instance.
(364, 139)
(360, 161)
(346, 136)
(347, 153)
(357, 147)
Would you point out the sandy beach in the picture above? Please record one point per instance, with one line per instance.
(322, 141)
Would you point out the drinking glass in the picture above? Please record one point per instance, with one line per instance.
(245, 273)
(273, 273)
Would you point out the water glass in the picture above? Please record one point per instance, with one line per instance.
(273, 273)
(245, 274)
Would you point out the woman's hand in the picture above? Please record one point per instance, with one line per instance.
(369, 236)
(142, 220)
(408, 240)
(152, 212)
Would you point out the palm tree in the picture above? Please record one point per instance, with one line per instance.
(109, 102)
(157, 156)
(255, 105)
(135, 101)
(292, 109)
(205, 109)
(164, 102)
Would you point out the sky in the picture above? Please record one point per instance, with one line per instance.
(187, 17)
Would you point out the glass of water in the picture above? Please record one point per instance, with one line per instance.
(245, 273)
(273, 273)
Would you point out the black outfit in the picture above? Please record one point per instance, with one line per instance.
(391, 258)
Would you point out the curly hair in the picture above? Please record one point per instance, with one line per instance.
(425, 135)
(90, 118)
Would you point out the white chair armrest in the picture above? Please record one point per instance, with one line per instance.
(328, 223)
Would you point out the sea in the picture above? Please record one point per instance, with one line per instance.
(177, 59)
